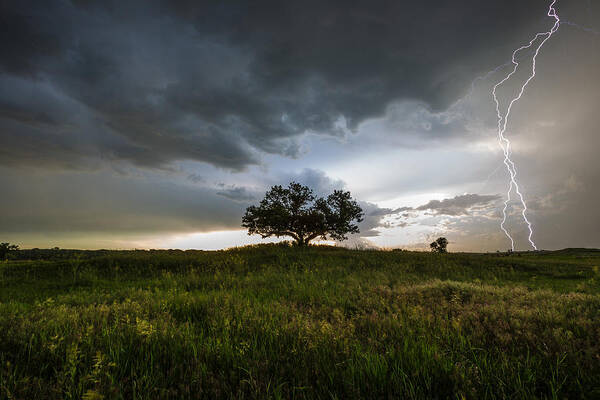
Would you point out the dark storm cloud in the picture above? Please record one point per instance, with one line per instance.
(23, 44)
(237, 193)
(195, 178)
(401, 210)
(378, 212)
(101, 202)
(459, 205)
(373, 218)
(154, 82)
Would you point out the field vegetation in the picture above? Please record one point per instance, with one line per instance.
(274, 321)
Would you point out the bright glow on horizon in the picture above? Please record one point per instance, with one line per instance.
(216, 240)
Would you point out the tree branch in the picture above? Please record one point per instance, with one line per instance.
(288, 233)
(313, 236)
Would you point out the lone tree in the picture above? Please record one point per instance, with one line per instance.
(296, 212)
(439, 246)
(5, 248)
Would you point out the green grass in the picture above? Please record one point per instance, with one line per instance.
(278, 322)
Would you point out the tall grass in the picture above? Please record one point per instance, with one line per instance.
(278, 322)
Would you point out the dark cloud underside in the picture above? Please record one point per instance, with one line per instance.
(102, 203)
(458, 205)
(154, 82)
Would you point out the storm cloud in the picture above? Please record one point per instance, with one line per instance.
(459, 205)
(154, 82)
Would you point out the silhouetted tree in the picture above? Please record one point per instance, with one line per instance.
(295, 211)
(5, 248)
(440, 245)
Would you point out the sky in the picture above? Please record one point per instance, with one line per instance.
(155, 123)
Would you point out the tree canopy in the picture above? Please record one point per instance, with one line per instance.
(5, 248)
(296, 212)
(440, 245)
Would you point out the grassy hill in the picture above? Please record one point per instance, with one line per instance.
(277, 322)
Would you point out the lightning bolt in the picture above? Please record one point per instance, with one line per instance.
(503, 121)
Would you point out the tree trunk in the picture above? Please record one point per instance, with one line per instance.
(310, 237)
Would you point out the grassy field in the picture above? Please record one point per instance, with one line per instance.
(278, 322)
